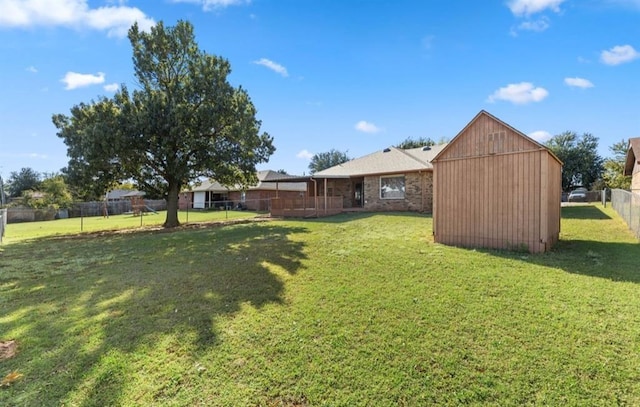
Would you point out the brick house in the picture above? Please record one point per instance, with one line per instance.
(211, 194)
(392, 179)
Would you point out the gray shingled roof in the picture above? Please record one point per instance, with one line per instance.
(388, 161)
(264, 183)
(633, 155)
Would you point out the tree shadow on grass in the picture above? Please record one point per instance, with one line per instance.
(615, 261)
(583, 212)
(85, 311)
(351, 216)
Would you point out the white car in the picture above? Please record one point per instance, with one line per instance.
(578, 195)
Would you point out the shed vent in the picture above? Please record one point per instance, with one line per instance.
(426, 148)
(386, 150)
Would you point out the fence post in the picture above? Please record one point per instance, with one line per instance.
(604, 197)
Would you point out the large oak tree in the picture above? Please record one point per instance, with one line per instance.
(328, 159)
(581, 164)
(184, 122)
(613, 176)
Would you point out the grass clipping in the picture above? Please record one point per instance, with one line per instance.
(8, 350)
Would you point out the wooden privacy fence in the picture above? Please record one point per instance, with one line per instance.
(306, 207)
(627, 204)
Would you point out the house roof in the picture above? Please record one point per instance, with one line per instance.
(633, 155)
(133, 193)
(116, 194)
(388, 161)
(267, 180)
(492, 117)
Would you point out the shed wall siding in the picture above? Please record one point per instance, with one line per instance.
(635, 177)
(553, 197)
(496, 189)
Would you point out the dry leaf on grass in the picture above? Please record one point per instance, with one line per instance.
(10, 378)
(8, 349)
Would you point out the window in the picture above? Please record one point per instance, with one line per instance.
(392, 187)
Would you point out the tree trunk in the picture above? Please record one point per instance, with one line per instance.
(172, 206)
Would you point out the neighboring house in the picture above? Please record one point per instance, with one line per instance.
(495, 187)
(632, 163)
(392, 179)
(120, 194)
(211, 194)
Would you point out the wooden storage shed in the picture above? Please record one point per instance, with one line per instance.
(494, 187)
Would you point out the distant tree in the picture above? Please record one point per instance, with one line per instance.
(415, 143)
(614, 167)
(186, 122)
(322, 161)
(27, 179)
(52, 193)
(283, 172)
(582, 166)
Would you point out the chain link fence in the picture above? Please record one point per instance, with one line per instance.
(627, 204)
(3, 222)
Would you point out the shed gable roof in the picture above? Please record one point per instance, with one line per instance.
(633, 155)
(486, 115)
(388, 161)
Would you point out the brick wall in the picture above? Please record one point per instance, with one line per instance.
(418, 194)
(338, 187)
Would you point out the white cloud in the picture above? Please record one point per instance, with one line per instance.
(619, 55)
(112, 87)
(115, 20)
(427, 42)
(578, 82)
(208, 5)
(529, 7)
(75, 80)
(538, 25)
(366, 127)
(32, 69)
(274, 66)
(519, 93)
(25, 155)
(540, 136)
(305, 154)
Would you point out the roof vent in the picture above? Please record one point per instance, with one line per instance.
(386, 150)
(426, 148)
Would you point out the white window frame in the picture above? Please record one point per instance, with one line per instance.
(386, 177)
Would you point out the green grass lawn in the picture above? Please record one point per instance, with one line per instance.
(352, 310)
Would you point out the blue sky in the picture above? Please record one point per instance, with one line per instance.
(353, 75)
